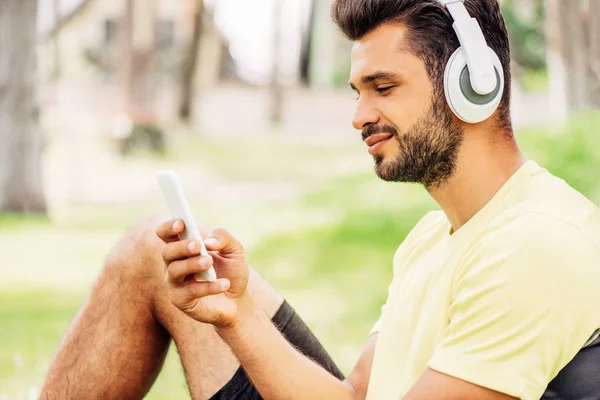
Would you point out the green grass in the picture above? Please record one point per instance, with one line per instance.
(31, 326)
(13, 221)
(329, 250)
(33, 323)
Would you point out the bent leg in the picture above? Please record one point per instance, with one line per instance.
(117, 344)
(114, 348)
(208, 362)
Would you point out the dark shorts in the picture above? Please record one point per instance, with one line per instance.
(299, 335)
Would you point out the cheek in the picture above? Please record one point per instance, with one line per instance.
(405, 107)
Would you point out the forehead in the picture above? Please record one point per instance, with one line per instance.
(384, 48)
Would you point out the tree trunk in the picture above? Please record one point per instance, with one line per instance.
(188, 75)
(594, 52)
(557, 73)
(275, 87)
(125, 61)
(21, 187)
(307, 41)
(573, 47)
(56, 42)
(138, 62)
(572, 43)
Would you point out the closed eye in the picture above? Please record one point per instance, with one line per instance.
(380, 90)
(384, 89)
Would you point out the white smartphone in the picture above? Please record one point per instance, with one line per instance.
(179, 208)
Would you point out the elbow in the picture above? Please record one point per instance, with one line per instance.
(352, 392)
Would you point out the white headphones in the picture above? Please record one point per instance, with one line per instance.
(474, 78)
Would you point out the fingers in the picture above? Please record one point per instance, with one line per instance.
(178, 271)
(180, 249)
(169, 231)
(184, 296)
(223, 242)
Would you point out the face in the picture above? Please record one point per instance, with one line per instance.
(408, 127)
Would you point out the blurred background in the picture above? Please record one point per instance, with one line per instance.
(248, 101)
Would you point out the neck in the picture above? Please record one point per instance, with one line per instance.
(483, 167)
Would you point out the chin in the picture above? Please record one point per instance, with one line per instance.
(386, 170)
(386, 158)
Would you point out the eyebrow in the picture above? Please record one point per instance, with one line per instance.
(381, 75)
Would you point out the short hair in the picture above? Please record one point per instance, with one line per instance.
(430, 33)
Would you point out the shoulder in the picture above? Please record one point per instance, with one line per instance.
(535, 252)
(538, 234)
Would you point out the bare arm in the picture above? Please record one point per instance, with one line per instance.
(435, 385)
(361, 374)
(279, 371)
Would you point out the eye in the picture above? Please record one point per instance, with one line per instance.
(384, 89)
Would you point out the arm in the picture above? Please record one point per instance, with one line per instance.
(275, 367)
(280, 371)
(263, 351)
(435, 385)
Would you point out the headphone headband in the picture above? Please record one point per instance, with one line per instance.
(470, 36)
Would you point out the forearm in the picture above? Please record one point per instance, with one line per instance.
(275, 367)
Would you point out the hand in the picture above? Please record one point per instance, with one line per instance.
(216, 303)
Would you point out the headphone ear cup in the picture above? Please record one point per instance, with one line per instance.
(464, 102)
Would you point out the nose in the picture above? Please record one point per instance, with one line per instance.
(364, 115)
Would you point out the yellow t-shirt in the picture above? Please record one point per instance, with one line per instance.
(505, 302)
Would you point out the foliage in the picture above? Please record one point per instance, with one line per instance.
(535, 81)
(569, 152)
(526, 36)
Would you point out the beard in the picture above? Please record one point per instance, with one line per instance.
(428, 149)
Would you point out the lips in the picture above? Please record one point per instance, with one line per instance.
(379, 137)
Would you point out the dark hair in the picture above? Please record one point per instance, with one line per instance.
(430, 33)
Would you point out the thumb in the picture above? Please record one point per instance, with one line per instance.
(222, 241)
(186, 297)
(204, 230)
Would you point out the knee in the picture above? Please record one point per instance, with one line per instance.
(138, 253)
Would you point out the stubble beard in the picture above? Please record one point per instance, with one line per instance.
(428, 150)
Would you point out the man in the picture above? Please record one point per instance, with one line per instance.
(492, 297)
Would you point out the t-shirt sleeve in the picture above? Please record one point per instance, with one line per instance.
(519, 313)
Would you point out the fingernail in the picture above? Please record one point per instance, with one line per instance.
(211, 241)
(175, 225)
(204, 262)
(192, 246)
(224, 284)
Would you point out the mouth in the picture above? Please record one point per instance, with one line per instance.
(377, 141)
